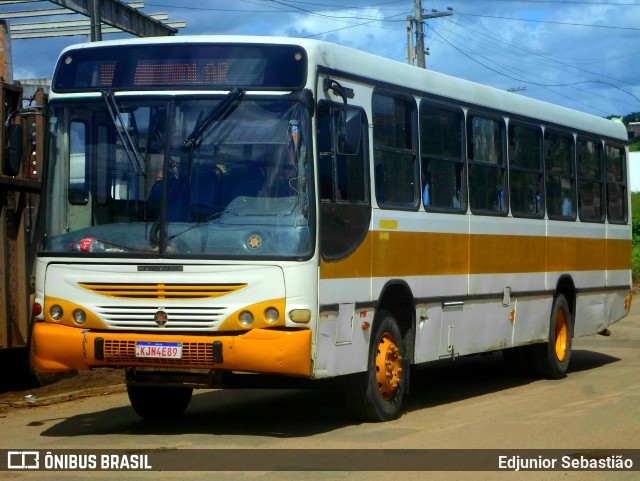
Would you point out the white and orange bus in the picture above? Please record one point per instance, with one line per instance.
(218, 206)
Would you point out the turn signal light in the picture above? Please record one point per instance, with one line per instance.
(300, 316)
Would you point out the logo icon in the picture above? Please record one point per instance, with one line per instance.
(160, 318)
(254, 242)
(23, 460)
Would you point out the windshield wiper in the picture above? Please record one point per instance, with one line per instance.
(128, 143)
(207, 220)
(216, 113)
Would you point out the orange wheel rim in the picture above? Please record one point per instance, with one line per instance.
(562, 334)
(388, 367)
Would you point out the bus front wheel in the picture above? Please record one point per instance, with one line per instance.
(154, 402)
(377, 394)
(551, 360)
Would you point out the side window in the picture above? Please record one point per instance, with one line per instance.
(590, 180)
(560, 176)
(342, 151)
(442, 160)
(343, 178)
(394, 142)
(103, 170)
(615, 175)
(78, 162)
(525, 170)
(487, 167)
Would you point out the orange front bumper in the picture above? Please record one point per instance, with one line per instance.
(61, 348)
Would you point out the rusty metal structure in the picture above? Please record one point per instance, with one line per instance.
(102, 16)
(22, 132)
(19, 199)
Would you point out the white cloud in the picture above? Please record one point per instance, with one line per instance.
(529, 52)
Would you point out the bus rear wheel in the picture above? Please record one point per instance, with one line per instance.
(155, 402)
(377, 394)
(551, 359)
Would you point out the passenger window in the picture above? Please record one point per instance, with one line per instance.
(615, 176)
(441, 140)
(560, 176)
(487, 168)
(590, 180)
(394, 141)
(525, 170)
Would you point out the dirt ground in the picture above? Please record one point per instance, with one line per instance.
(14, 395)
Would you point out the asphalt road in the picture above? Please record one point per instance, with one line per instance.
(470, 403)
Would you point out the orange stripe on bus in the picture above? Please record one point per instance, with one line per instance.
(573, 254)
(618, 254)
(399, 254)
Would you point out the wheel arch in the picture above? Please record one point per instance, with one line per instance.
(567, 288)
(396, 297)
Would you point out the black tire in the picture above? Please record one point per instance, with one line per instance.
(154, 403)
(377, 394)
(550, 360)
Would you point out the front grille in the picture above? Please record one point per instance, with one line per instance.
(161, 291)
(178, 317)
(198, 354)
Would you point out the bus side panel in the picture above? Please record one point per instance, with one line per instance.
(337, 355)
(501, 256)
(579, 250)
(590, 316)
(617, 306)
(618, 255)
(531, 320)
(472, 327)
(342, 343)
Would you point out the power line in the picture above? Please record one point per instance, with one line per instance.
(570, 2)
(572, 24)
(357, 25)
(567, 84)
(538, 54)
(278, 7)
(518, 71)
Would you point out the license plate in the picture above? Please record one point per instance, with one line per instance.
(162, 350)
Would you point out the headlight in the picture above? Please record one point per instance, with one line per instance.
(79, 316)
(271, 314)
(246, 318)
(56, 312)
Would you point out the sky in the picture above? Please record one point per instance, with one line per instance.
(583, 55)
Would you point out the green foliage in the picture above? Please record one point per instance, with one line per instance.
(635, 205)
(635, 230)
(632, 117)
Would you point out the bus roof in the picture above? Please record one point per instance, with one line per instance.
(389, 72)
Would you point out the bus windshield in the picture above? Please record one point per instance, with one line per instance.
(224, 177)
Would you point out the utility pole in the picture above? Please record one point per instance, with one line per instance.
(411, 53)
(419, 18)
(419, 34)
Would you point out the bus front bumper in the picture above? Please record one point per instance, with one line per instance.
(61, 348)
